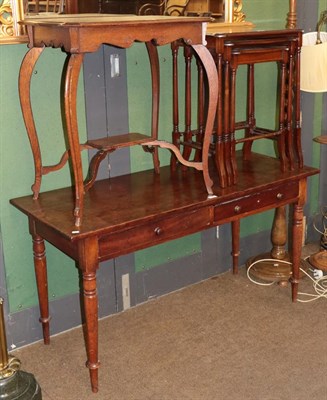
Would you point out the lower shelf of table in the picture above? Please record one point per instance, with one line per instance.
(110, 143)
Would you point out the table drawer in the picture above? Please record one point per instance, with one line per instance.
(265, 199)
(154, 232)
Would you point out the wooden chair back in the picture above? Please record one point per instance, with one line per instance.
(48, 6)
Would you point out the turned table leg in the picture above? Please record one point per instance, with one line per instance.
(90, 299)
(88, 263)
(40, 265)
(278, 265)
(235, 244)
(296, 249)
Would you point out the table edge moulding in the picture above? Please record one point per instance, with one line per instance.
(90, 223)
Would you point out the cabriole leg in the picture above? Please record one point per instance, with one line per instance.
(24, 87)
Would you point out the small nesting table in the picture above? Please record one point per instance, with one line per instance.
(250, 48)
(230, 50)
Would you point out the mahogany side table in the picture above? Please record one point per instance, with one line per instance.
(78, 34)
(112, 228)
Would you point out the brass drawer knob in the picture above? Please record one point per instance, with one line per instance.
(158, 231)
(279, 196)
(237, 209)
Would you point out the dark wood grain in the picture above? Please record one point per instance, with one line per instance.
(130, 199)
(230, 50)
(135, 211)
(84, 33)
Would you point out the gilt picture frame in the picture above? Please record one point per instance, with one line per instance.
(11, 12)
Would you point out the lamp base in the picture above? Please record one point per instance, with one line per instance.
(319, 260)
(272, 270)
(20, 386)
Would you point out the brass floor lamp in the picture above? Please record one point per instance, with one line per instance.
(274, 266)
(314, 80)
(14, 383)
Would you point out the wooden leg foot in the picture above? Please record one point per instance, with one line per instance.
(40, 265)
(46, 329)
(91, 318)
(94, 376)
(295, 288)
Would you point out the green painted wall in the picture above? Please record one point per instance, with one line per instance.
(17, 172)
(16, 165)
(139, 105)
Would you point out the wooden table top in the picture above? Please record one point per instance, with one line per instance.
(107, 19)
(220, 29)
(81, 33)
(215, 31)
(125, 201)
